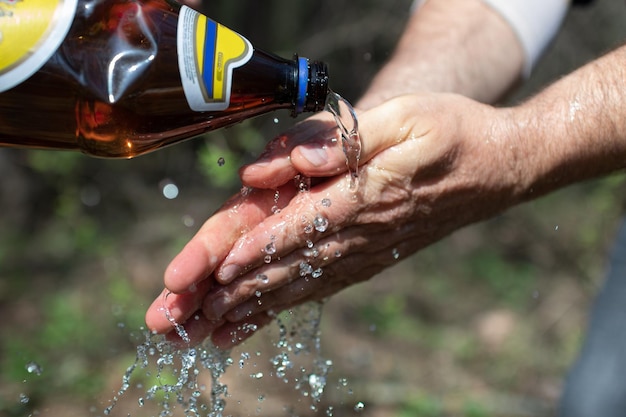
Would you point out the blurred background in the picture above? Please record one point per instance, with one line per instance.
(484, 323)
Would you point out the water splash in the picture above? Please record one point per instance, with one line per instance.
(183, 366)
(180, 330)
(348, 126)
(300, 337)
(175, 375)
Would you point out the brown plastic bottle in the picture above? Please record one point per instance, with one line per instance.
(131, 76)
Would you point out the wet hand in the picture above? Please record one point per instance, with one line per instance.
(431, 164)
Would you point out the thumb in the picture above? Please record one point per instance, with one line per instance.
(314, 148)
(274, 167)
(378, 129)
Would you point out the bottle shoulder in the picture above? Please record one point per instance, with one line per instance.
(111, 51)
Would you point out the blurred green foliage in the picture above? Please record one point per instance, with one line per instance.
(221, 156)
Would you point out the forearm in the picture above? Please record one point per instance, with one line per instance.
(574, 130)
(458, 46)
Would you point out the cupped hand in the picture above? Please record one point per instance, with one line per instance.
(430, 165)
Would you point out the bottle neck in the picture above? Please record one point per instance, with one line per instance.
(312, 86)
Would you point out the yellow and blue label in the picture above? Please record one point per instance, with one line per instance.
(208, 52)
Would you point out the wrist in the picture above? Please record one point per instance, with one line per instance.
(572, 132)
(453, 46)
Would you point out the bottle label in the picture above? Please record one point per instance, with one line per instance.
(30, 33)
(207, 54)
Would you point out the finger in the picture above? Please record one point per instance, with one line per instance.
(311, 287)
(294, 293)
(338, 263)
(307, 262)
(331, 255)
(215, 239)
(378, 129)
(169, 307)
(319, 151)
(306, 218)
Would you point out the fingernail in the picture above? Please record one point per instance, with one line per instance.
(228, 273)
(316, 156)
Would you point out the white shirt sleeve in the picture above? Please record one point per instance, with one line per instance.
(535, 23)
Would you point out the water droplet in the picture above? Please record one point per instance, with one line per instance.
(258, 375)
(337, 253)
(303, 183)
(245, 191)
(317, 273)
(320, 223)
(270, 248)
(360, 406)
(263, 278)
(326, 202)
(395, 253)
(312, 253)
(188, 220)
(305, 269)
(34, 368)
(249, 327)
(170, 191)
(276, 120)
(317, 384)
(221, 161)
(24, 399)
